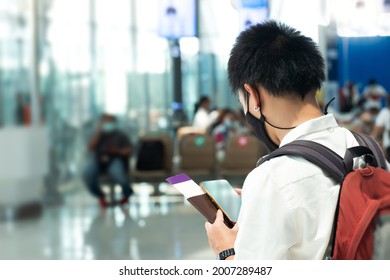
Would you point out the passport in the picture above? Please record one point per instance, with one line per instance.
(209, 196)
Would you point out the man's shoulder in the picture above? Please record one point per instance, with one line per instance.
(285, 170)
(291, 168)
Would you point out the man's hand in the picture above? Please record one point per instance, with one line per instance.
(220, 236)
(238, 191)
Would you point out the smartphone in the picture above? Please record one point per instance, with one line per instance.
(224, 196)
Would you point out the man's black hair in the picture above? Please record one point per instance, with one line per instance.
(276, 57)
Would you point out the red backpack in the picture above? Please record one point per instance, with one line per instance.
(361, 228)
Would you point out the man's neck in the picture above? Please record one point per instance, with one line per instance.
(289, 112)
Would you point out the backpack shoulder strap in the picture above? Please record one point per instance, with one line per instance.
(369, 142)
(314, 152)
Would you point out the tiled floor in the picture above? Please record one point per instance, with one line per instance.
(150, 227)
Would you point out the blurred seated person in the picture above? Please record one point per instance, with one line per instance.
(366, 120)
(111, 150)
(349, 97)
(229, 125)
(374, 92)
(203, 118)
(381, 131)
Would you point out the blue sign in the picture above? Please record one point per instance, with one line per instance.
(252, 12)
(177, 18)
(254, 3)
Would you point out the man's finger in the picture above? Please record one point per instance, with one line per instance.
(219, 216)
(238, 191)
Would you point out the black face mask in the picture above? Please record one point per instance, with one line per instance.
(259, 129)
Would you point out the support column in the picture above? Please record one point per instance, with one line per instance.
(34, 68)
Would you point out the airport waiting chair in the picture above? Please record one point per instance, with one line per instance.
(159, 172)
(241, 154)
(186, 130)
(197, 155)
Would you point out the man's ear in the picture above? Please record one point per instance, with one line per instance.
(253, 93)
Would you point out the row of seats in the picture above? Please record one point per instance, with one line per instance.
(195, 154)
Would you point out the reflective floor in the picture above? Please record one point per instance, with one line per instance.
(163, 227)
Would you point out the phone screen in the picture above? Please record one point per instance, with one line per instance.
(225, 196)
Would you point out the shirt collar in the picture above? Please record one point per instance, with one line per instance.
(309, 127)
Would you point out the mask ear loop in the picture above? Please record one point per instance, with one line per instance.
(327, 105)
(247, 100)
(265, 120)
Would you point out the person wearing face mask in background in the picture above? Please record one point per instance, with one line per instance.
(228, 126)
(288, 203)
(111, 150)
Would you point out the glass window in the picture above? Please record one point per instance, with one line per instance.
(15, 57)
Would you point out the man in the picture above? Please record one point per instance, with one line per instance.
(111, 150)
(288, 204)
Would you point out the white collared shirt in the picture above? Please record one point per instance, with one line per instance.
(288, 204)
